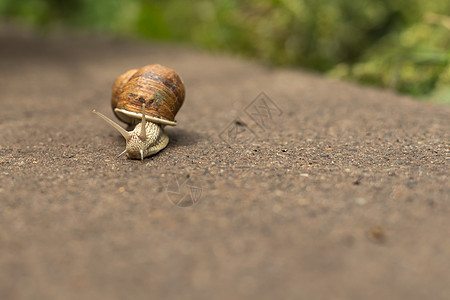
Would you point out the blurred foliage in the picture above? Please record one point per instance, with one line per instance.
(401, 44)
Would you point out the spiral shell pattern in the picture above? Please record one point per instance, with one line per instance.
(160, 88)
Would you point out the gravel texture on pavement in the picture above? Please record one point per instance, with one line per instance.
(276, 184)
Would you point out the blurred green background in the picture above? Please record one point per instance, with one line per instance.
(400, 44)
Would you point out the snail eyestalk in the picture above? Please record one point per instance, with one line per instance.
(122, 131)
(143, 134)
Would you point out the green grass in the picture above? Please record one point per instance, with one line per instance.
(400, 44)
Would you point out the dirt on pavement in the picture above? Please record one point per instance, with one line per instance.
(276, 184)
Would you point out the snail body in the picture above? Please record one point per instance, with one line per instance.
(147, 99)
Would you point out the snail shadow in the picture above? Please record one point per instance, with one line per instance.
(180, 137)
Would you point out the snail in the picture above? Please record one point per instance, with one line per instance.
(147, 99)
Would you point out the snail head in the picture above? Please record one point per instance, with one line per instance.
(146, 139)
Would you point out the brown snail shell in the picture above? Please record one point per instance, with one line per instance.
(158, 87)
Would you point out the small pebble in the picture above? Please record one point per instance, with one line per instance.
(360, 201)
(377, 234)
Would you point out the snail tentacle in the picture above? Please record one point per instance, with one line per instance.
(122, 153)
(143, 135)
(122, 131)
